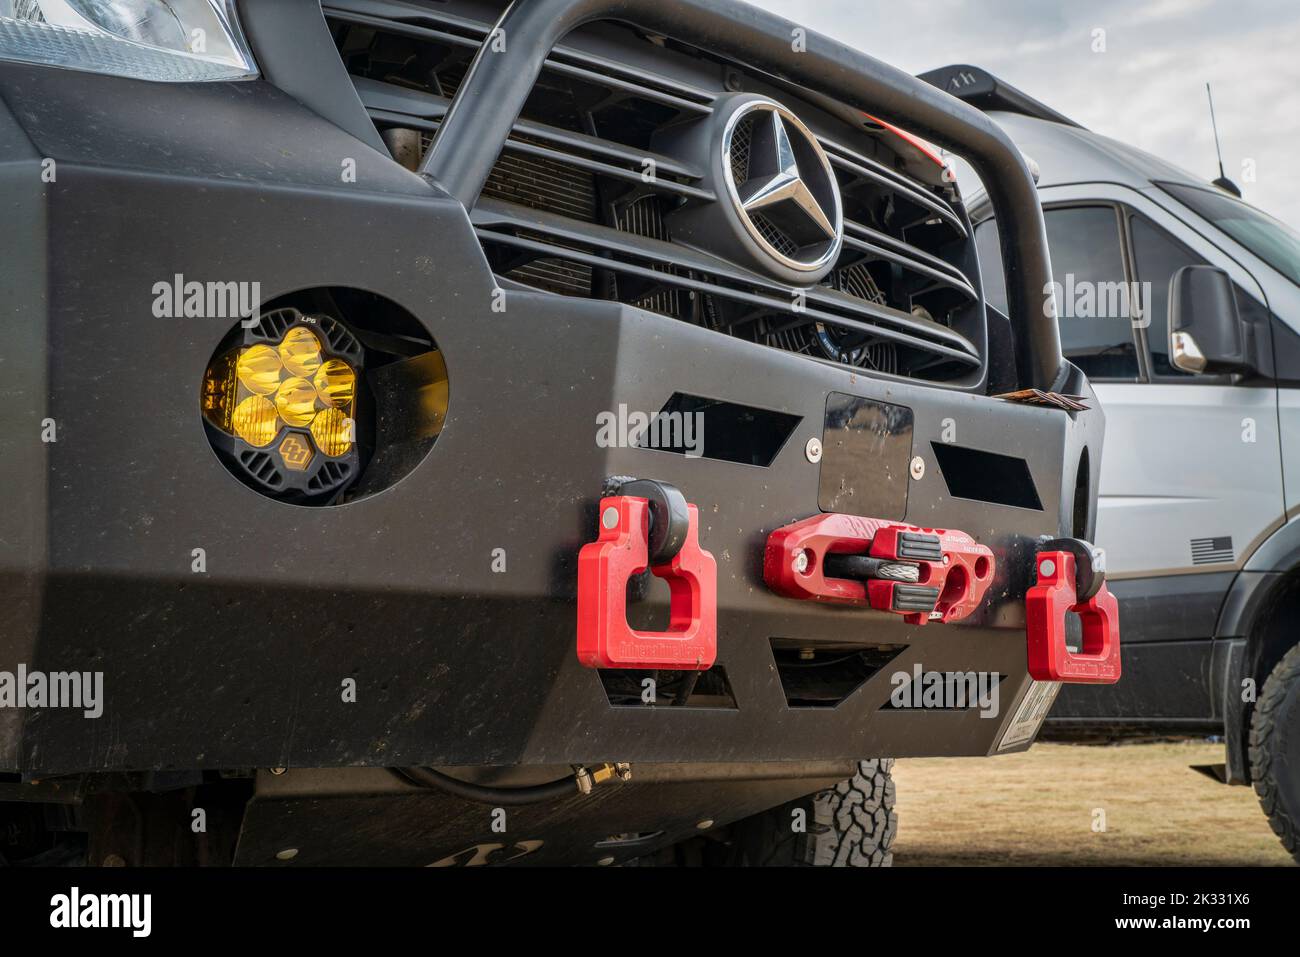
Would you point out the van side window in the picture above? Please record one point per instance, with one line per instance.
(1092, 291)
(1157, 256)
(1087, 263)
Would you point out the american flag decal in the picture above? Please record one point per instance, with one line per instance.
(1211, 551)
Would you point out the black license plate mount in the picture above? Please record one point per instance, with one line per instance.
(866, 456)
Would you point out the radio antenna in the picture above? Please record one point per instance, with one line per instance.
(1222, 182)
(1215, 125)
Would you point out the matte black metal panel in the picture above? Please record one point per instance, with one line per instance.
(982, 89)
(361, 817)
(294, 50)
(24, 359)
(454, 663)
(866, 448)
(242, 132)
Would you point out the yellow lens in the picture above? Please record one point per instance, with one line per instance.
(254, 421)
(296, 401)
(300, 351)
(259, 369)
(332, 431)
(336, 383)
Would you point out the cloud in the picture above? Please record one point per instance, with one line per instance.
(1147, 88)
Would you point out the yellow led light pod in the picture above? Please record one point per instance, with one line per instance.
(298, 405)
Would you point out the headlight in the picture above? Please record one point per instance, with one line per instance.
(173, 41)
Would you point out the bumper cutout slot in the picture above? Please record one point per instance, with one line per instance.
(986, 476)
(694, 426)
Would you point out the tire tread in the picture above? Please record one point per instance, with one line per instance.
(1265, 728)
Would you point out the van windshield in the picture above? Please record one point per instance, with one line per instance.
(1274, 242)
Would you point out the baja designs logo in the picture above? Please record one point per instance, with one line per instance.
(295, 452)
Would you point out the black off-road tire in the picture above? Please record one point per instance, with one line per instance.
(1275, 750)
(850, 825)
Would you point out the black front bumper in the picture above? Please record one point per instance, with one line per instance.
(454, 663)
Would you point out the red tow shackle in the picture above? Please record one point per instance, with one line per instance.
(1061, 572)
(649, 524)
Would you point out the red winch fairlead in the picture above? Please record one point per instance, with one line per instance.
(923, 574)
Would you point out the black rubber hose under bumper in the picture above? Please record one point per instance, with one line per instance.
(482, 794)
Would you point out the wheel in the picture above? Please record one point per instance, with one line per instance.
(850, 825)
(1275, 750)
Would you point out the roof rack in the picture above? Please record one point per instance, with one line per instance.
(984, 91)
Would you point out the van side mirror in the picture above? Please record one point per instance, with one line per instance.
(1206, 332)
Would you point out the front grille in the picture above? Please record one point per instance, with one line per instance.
(579, 201)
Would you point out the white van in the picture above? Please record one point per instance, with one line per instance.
(1182, 305)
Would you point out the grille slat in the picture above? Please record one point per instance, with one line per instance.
(676, 96)
(861, 166)
(635, 256)
(499, 220)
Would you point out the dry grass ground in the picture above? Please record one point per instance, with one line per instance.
(1039, 808)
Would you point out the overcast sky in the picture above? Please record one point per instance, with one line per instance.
(1147, 88)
